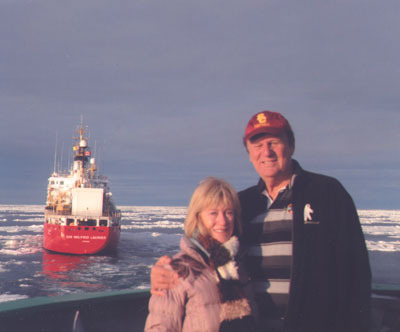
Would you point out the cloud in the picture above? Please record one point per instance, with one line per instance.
(168, 87)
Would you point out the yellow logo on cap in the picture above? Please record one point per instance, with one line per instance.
(261, 118)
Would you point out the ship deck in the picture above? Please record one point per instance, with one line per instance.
(126, 310)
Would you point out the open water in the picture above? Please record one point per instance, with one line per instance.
(26, 270)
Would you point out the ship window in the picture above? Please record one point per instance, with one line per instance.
(103, 222)
(86, 228)
(91, 222)
(70, 221)
(61, 182)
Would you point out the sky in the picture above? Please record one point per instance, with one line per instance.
(166, 89)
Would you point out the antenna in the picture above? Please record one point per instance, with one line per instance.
(95, 148)
(62, 157)
(103, 150)
(55, 154)
(69, 160)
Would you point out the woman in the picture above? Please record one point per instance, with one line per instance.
(211, 294)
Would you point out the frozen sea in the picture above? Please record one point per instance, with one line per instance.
(26, 270)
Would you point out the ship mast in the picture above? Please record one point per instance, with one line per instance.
(55, 154)
(82, 154)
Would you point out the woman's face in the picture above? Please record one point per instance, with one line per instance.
(219, 221)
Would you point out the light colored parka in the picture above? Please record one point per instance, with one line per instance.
(194, 303)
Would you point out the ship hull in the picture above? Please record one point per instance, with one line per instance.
(80, 240)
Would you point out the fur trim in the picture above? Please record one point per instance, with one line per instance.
(219, 255)
(230, 290)
(232, 245)
(235, 309)
(223, 257)
(235, 312)
(229, 271)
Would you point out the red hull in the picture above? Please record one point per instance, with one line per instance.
(80, 240)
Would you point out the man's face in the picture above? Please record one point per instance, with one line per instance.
(271, 156)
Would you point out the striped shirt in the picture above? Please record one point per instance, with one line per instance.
(270, 254)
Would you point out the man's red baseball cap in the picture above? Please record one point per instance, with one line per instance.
(267, 122)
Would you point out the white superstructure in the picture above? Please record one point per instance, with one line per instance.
(81, 191)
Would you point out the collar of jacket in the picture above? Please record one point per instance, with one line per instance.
(297, 170)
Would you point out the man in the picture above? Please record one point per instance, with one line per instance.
(306, 251)
(307, 254)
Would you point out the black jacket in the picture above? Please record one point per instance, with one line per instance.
(331, 277)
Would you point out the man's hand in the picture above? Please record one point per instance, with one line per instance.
(162, 277)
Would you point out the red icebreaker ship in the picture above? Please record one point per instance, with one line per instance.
(80, 215)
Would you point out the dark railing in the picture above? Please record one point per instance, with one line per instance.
(126, 310)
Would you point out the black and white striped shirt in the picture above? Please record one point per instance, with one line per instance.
(269, 253)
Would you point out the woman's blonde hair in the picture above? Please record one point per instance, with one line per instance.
(211, 192)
